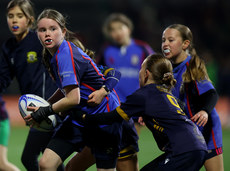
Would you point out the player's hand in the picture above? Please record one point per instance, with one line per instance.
(201, 118)
(141, 121)
(39, 114)
(29, 120)
(96, 97)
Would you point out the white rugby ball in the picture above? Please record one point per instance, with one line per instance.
(34, 100)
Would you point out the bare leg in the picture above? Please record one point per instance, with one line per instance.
(105, 169)
(49, 161)
(215, 163)
(4, 163)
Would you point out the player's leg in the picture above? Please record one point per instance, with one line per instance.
(215, 162)
(67, 139)
(127, 159)
(49, 161)
(4, 163)
(105, 169)
(4, 137)
(35, 143)
(81, 161)
(105, 146)
(128, 164)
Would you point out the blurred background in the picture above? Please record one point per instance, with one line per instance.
(209, 21)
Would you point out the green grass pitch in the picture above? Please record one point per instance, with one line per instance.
(148, 148)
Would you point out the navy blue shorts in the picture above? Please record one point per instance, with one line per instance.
(129, 142)
(104, 142)
(190, 161)
(214, 152)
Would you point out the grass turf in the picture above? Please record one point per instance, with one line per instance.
(148, 148)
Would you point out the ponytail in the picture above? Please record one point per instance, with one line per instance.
(161, 70)
(196, 69)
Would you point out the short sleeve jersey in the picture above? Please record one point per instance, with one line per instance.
(164, 118)
(127, 60)
(212, 130)
(72, 66)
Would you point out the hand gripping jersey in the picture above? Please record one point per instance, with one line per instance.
(165, 119)
(212, 131)
(72, 66)
(127, 60)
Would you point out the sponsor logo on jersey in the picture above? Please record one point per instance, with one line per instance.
(135, 60)
(32, 57)
(129, 72)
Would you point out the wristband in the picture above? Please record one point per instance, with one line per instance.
(106, 89)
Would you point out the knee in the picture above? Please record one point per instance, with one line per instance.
(45, 164)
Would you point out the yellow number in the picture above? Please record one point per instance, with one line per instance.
(173, 101)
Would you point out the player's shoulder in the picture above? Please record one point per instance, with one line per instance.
(143, 92)
(140, 43)
(9, 43)
(144, 45)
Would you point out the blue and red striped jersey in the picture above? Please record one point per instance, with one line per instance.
(212, 131)
(72, 66)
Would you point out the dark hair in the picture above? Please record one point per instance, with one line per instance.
(116, 17)
(161, 70)
(69, 36)
(26, 7)
(196, 69)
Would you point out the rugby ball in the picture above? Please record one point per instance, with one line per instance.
(35, 101)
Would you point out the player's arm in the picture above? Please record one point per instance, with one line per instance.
(134, 106)
(207, 101)
(57, 95)
(71, 99)
(100, 118)
(112, 77)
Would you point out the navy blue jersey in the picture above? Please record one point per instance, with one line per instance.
(3, 112)
(163, 116)
(212, 131)
(127, 60)
(23, 61)
(71, 66)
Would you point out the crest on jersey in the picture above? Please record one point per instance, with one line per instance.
(32, 57)
(134, 60)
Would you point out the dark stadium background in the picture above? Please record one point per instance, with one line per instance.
(208, 20)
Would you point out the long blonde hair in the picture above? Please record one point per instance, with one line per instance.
(26, 7)
(196, 69)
